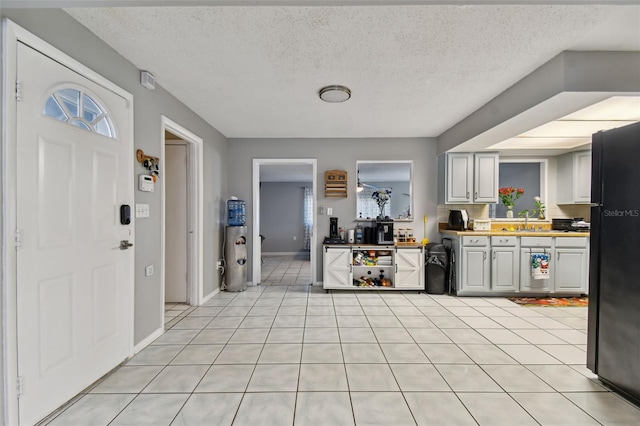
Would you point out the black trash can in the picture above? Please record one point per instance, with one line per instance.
(436, 267)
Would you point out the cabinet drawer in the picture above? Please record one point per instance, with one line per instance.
(469, 241)
(572, 242)
(504, 241)
(536, 241)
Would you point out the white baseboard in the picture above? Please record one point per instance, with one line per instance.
(144, 343)
(210, 295)
(283, 253)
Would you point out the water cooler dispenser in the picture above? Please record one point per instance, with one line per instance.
(235, 247)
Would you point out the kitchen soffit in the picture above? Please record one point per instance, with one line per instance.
(575, 129)
(573, 87)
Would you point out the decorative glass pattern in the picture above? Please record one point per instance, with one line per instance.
(78, 109)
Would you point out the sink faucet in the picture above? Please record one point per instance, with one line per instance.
(526, 220)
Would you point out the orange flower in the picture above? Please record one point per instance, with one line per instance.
(509, 195)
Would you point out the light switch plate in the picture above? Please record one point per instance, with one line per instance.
(329, 211)
(148, 271)
(142, 210)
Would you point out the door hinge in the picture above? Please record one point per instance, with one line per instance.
(18, 90)
(18, 238)
(20, 386)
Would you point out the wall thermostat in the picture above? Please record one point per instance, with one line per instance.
(145, 183)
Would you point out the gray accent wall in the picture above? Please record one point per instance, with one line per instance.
(281, 216)
(339, 154)
(63, 32)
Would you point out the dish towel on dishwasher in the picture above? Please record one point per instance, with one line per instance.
(540, 266)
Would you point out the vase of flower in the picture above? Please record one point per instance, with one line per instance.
(382, 197)
(509, 212)
(509, 195)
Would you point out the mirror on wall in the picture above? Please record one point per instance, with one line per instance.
(385, 184)
(526, 173)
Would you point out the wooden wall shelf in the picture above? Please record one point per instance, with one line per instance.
(335, 184)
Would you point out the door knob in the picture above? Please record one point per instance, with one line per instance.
(125, 244)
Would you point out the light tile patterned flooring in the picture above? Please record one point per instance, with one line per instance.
(286, 269)
(296, 355)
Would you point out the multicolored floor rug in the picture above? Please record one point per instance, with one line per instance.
(551, 301)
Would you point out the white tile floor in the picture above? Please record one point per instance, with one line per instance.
(286, 269)
(296, 355)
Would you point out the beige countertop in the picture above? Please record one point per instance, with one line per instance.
(499, 233)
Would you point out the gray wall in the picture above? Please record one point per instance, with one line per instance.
(60, 30)
(281, 216)
(339, 154)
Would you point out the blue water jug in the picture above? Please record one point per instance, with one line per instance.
(235, 212)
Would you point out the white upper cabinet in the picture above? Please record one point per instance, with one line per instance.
(471, 178)
(485, 182)
(574, 178)
(459, 179)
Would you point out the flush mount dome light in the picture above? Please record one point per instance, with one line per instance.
(334, 93)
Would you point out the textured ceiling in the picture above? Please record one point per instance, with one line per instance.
(254, 72)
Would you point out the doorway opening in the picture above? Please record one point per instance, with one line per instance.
(182, 215)
(284, 200)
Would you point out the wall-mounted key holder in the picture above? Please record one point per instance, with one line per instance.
(150, 163)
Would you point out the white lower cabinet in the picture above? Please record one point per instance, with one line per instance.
(337, 270)
(409, 263)
(475, 265)
(571, 272)
(505, 264)
(527, 283)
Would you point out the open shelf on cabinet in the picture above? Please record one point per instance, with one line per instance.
(373, 268)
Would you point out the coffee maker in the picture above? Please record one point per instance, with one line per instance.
(384, 231)
(333, 228)
(334, 233)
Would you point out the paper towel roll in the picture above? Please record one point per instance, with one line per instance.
(351, 236)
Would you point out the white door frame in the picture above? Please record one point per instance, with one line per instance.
(257, 250)
(12, 34)
(195, 197)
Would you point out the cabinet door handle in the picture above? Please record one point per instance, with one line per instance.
(467, 195)
(558, 256)
(484, 255)
(396, 268)
(494, 255)
(350, 268)
(475, 195)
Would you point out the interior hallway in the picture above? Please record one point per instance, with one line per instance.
(296, 355)
(286, 269)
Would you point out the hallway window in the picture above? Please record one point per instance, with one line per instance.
(308, 217)
(78, 109)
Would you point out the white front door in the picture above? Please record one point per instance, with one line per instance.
(74, 171)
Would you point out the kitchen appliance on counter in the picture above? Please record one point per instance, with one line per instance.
(613, 337)
(576, 224)
(334, 233)
(384, 231)
(458, 220)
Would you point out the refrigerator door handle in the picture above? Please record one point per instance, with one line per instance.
(595, 204)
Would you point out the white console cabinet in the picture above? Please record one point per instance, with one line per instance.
(398, 268)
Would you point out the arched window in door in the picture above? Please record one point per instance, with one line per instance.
(78, 109)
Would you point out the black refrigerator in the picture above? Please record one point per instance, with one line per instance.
(613, 347)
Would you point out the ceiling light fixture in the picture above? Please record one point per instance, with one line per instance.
(335, 93)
